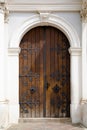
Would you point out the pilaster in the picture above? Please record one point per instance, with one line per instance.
(2, 54)
(13, 83)
(84, 50)
(84, 63)
(6, 40)
(75, 81)
(3, 71)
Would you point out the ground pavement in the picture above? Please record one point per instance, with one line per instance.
(47, 125)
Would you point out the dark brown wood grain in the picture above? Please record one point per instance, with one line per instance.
(44, 80)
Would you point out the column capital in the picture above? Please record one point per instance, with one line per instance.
(2, 7)
(5, 11)
(83, 101)
(4, 101)
(14, 51)
(6, 14)
(83, 12)
(75, 51)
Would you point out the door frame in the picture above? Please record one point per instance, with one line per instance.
(75, 63)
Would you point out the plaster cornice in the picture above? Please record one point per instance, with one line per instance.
(32, 7)
(3, 1)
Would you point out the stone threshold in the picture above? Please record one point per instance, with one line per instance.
(43, 120)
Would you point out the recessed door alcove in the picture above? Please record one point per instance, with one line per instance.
(44, 74)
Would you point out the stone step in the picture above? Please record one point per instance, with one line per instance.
(43, 120)
(45, 124)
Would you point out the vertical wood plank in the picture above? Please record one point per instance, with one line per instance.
(52, 62)
(41, 71)
(28, 70)
(48, 90)
(56, 70)
(61, 72)
(33, 72)
(38, 71)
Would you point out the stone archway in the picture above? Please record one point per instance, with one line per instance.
(51, 20)
(75, 68)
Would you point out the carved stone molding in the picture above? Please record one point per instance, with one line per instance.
(6, 15)
(5, 10)
(75, 51)
(44, 5)
(44, 16)
(14, 51)
(2, 6)
(4, 102)
(52, 20)
(3, 1)
(84, 11)
(84, 101)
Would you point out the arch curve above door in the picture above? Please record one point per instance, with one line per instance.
(53, 20)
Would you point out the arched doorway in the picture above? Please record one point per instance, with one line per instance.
(44, 67)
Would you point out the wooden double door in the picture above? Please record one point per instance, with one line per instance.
(44, 74)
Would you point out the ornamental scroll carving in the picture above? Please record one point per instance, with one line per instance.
(84, 11)
(1, 6)
(5, 10)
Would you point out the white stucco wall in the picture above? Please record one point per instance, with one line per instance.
(71, 25)
(17, 19)
(75, 19)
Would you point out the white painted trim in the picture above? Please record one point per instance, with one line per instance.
(53, 20)
(3, 1)
(84, 101)
(4, 102)
(14, 51)
(44, 2)
(1, 11)
(47, 7)
(75, 51)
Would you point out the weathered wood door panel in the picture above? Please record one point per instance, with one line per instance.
(44, 66)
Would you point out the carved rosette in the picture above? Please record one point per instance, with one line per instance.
(84, 11)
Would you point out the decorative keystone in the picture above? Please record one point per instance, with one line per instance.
(44, 16)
